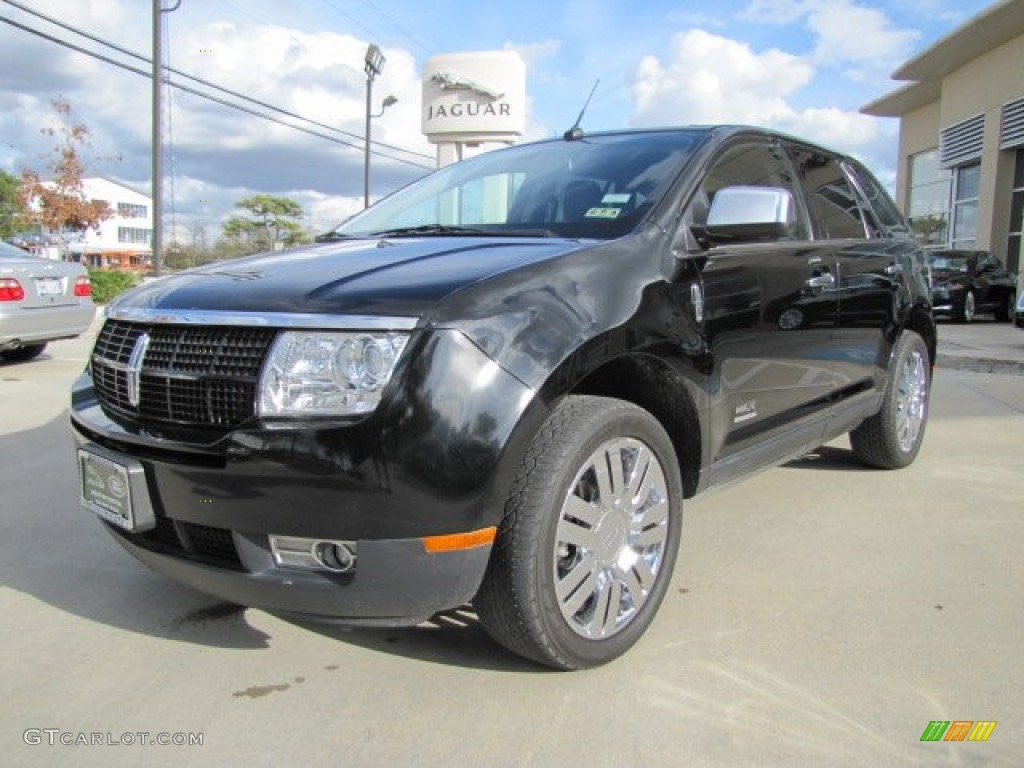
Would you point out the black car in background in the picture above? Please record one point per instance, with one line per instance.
(968, 283)
(499, 384)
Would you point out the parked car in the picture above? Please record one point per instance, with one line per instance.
(40, 301)
(1019, 320)
(966, 283)
(499, 384)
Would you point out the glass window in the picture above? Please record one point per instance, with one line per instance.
(965, 206)
(600, 187)
(831, 201)
(751, 165)
(131, 211)
(1016, 241)
(134, 235)
(881, 204)
(930, 194)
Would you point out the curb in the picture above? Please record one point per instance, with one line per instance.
(980, 364)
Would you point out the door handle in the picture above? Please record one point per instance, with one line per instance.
(894, 269)
(821, 281)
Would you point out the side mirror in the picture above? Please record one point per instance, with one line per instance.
(750, 214)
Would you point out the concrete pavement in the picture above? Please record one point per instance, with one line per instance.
(983, 346)
(821, 614)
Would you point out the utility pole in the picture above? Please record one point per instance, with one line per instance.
(158, 138)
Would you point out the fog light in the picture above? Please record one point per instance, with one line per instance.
(314, 554)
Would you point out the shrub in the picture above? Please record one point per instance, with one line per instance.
(108, 283)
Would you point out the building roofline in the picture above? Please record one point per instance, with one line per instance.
(988, 29)
(904, 99)
(118, 183)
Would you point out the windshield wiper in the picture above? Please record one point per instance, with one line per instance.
(328, 237)
(430, 229)
(445, 229)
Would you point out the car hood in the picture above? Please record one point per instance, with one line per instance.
(944, 275)
(399, 277)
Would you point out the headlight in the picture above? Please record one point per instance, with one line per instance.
(320, 373)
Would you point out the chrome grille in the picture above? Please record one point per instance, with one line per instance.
(203, 376)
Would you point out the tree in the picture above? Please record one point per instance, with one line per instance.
(61, 204)
(271, 220)
(11, 220)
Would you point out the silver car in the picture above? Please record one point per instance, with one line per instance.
(40, 301)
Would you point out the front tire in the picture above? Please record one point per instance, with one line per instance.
(892, 438)
(23, 354)
(589, 540)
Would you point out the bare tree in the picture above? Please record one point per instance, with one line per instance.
(60, 205)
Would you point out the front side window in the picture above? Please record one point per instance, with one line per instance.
(749, 165)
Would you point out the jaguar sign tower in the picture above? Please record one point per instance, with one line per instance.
(473, 98)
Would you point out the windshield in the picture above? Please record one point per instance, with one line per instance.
(953, 263)
(598, 187)
(8, 251)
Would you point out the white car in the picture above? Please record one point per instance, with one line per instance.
(40, 301)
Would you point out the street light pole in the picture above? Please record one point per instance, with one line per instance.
(374, 62)
(157, 128)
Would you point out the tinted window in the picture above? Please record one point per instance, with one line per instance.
(750, 165)
(881, 204)
(831, 201)
(600, 186)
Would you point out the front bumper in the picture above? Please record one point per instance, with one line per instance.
(396, 583)
(436, 459)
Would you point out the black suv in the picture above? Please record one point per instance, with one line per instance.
(498, 385)
(966, 283)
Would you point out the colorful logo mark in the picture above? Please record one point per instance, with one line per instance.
(958, 730)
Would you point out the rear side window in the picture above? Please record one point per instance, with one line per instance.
(882, 206)
(831, 200)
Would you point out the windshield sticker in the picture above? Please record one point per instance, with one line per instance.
(603, 213)
(616, 198)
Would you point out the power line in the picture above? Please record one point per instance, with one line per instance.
(200, 80)
(208, 84)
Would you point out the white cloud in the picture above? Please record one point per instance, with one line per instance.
(850, 33)
(774, 11)
(712, 79)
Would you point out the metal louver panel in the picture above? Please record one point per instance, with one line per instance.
(1011, 133)
(961, 143)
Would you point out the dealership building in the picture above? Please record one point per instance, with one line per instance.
(960, 177)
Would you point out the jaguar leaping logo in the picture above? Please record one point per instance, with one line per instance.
(452, 83)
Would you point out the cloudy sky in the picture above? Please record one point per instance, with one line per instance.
(804, 66)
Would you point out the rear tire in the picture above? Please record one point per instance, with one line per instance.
(589, 540)
(891, 438)
(1004, 312)
(967, 311)
(21, 354)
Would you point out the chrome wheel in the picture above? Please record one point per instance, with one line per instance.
(911, 400)
(969, 308)
(611, 538)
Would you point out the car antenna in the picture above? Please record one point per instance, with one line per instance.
(576, 133)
